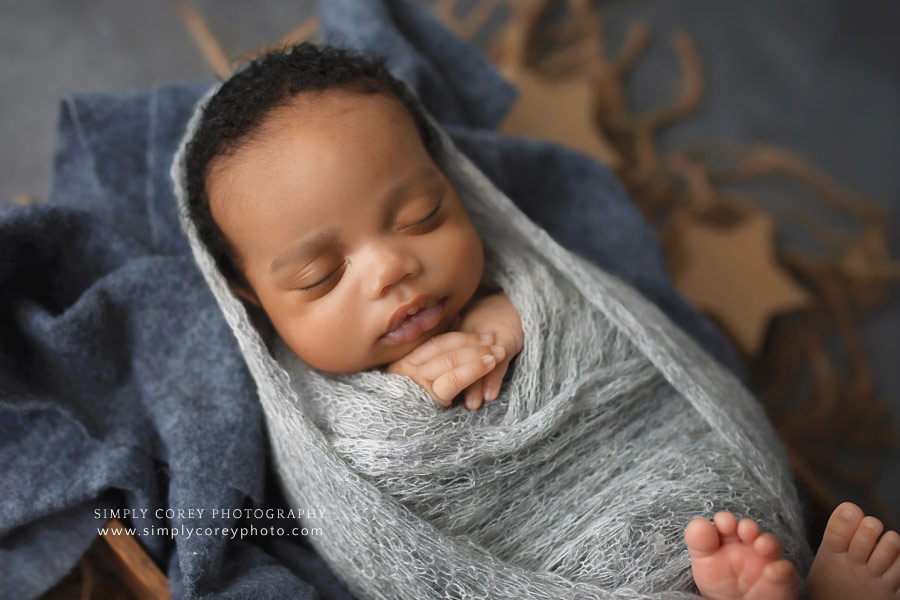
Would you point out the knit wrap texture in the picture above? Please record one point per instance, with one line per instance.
(612, 431)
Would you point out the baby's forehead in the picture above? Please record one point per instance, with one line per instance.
(327, 151)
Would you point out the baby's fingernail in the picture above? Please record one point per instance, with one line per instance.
(488, 360)
(488, 394)
(498, 351)
(486, 338)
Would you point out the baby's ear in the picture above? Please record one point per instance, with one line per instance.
(247, 294)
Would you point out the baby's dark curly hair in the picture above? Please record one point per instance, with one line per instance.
(240, 106)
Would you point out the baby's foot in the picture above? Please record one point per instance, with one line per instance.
(849, 564)
(732, 561)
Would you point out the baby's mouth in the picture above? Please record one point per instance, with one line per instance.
(423, 317)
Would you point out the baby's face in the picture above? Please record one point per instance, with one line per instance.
(340, 221)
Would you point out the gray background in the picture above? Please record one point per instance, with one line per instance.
(819, 77)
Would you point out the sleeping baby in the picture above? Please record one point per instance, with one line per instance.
(314, 181)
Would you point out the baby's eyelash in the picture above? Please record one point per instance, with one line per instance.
(433, 213)
(320, 283)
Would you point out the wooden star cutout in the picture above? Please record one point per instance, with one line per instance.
(560, 111)
(732, 274)
(557, 110)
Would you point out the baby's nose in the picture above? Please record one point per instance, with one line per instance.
(386, 266)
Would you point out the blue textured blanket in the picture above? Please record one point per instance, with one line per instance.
(121, 387)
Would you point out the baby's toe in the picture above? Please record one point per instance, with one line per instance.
(780, 572)
(767, 545)
(864, 539)
(748, 530)
(842, 524)
(701, 538)
(884, 554)
(725, 523)
(891, 578)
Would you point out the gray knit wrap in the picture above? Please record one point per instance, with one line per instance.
(612, 431)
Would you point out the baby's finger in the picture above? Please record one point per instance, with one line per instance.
(494, 379)
(508, 340)
(448, 385)
(474, 395)
(448, 361)
(441, 344)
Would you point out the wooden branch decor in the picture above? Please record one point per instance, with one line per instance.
(133, 566)
(204, 38)
(215, 54)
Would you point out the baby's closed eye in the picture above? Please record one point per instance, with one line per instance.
(325, 280)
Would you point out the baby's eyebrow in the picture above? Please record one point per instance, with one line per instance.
(306, 247)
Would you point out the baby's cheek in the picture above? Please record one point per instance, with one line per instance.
(321, 343)
(474, 260)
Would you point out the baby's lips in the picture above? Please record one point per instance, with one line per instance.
(413, 326)
(419, 303)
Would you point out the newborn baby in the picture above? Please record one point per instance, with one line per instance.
(361, 254)
(321, 200)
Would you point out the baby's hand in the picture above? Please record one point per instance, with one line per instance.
(494, 315)
(448, 363)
